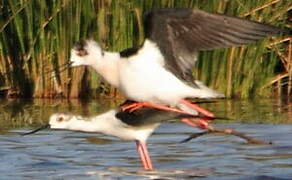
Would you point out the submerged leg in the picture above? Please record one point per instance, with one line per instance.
(144, 155)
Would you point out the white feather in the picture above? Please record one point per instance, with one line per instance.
(106, 123)
(141, 77)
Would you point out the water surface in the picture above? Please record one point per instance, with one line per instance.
(74, 155)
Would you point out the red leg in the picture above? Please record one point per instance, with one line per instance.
(144, 155)
(134, 106)
(198, 122)
(198, 108)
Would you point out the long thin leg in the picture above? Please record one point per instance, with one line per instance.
(197, 108)
(137, 105)
(198, 122)
(144, 155)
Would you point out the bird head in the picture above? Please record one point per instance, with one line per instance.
(60, 121)
(85, 53)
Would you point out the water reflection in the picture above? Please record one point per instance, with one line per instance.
(75, 155)
(16, 113)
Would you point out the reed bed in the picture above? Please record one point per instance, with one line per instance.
(36, 37)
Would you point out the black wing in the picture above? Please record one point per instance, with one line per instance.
(181, 33)
(147, 116)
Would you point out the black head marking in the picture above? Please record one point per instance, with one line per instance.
(80, 48)
(79, 45)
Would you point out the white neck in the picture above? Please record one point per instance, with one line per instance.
(107, 67)
(82, 124)
(93, 124)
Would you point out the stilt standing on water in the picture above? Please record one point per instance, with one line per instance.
(158, 73)
(137, 126)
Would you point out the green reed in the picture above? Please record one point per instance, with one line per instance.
(36, 37)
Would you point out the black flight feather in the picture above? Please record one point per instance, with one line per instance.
(180, 33)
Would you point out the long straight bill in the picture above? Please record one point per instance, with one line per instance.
(47, 126)
(61, 69)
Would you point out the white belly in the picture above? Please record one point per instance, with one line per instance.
(143, 78)
(151, 82)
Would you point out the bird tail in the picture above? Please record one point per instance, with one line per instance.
(204, 92)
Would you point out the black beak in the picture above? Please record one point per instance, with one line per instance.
(47, 126)
(61, 68)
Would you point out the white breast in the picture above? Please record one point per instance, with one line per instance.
(144, 78)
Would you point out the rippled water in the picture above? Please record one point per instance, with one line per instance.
(73, 155)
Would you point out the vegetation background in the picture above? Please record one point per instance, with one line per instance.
(36, 37)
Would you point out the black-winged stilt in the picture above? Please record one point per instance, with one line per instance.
(159, 72)
(137, 126)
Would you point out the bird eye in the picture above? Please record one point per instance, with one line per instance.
(81, 53)
(60, 119)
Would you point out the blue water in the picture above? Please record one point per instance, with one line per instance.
(74, 155)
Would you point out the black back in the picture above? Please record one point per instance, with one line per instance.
(148, 116)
